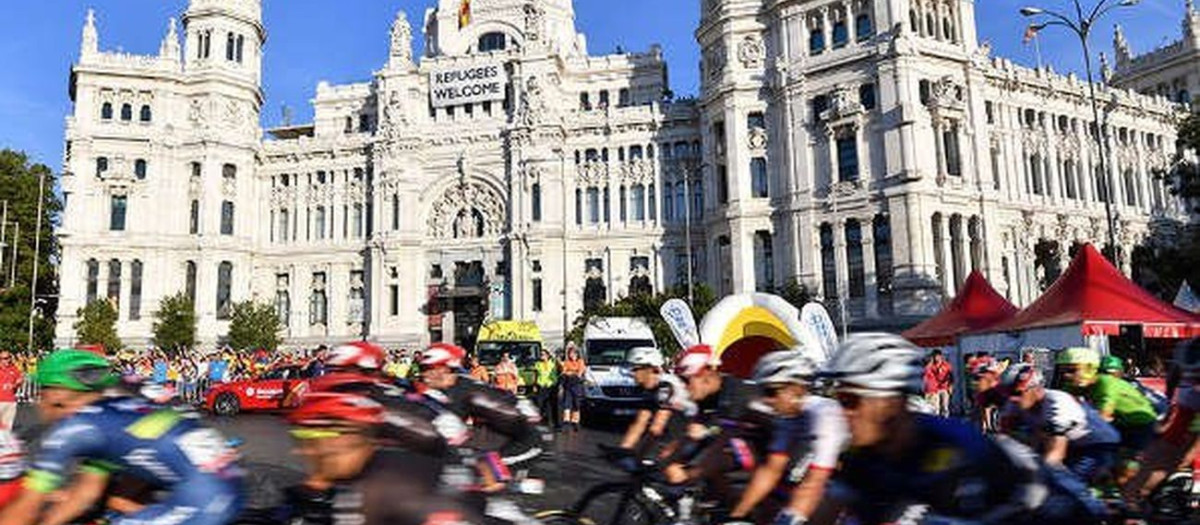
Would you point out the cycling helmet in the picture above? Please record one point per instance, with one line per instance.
(878, 361)
(645, 356)
(785, 366)
(1078, 356)
(695, 360)
(76, 370)
(333, 409)
(1112, 363)
(359, 354)
(1021, 377)
(1187, 356)
(443, 354)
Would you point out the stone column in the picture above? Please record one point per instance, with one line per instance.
(939, 149)
(841, 267)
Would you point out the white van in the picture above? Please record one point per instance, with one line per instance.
(609, 388)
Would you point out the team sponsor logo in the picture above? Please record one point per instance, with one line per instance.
(206, 449)
(147, 459)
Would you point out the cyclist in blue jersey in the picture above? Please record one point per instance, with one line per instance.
(93, 436)
(900, 461)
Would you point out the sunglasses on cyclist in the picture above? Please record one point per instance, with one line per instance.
(851, 398)
(771, 391)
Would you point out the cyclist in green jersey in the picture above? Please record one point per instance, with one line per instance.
(1118, 401)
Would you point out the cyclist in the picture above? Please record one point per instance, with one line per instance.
(1066, 432)
(1117, 400)
(665, 396)
(352, 479)
(808, 435)
(728, 429)
(161, 446)
(899, 458)
(1177, 446)
(490, 407)
(989, 395)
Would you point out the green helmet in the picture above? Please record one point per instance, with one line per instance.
(77, 370)
(1112, 363)
(1078, 356)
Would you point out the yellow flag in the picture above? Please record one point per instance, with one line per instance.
(464, 13)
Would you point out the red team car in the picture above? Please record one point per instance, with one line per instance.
(278, 389)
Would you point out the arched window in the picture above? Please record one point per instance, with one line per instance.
(189, 281)
(764, 261)
(914, 21)
(395, 212)
(230, 45)
(882, 228)
(224, 291)
(939, 254)
(194, 217)
(638, 198)
(621, 198)
(607, 204)
(856, 274)
(283, 307)
(229, 171)
(956, 250)
(828, 263)
(135, 290)
(816, 37)
(651, 203)
(226, 218)
(841, 34)
(93, 280)
(241, 42)
(320, 220)
(930, 25)
(975, 234)
(106, 111)
(139, 169)
(593, 198)
(145, 113)
(863, 28)
(578, 207)
(126, 112)
(114, 283)
(492, 41)
(536, 201)
(318, 301)
(1130, 188)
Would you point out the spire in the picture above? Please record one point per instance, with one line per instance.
(90, 43)
(1120, 45)
(170, 44)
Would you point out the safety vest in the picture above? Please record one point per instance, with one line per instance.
(546, 373)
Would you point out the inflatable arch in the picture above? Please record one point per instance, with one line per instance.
(742, 328)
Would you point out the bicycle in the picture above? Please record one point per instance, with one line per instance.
(639, 500)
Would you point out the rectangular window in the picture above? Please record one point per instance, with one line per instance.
(756, 120)
(224, 291)
(364, 123)
(593, 195)
(816, 40)
(758, 177)
(117, 211)
(318, 303)
(194, 218)
(622, 199)
(722, 185)
(135, 290)
(718, 137)
(226, 218)
(638, 200)
(196, 169)
(357, 219)
(189, 281)
(284, 219)
(320, 223)
(93, 280)
(394, 300)
(537, 294)
(536, 204)
(820, 103)
(866, 96)
(847, 157)
(395, 213)
(841, 34)
(578, 207)
(990, 111)
(101, 166)
(953, 158)
(114, 283)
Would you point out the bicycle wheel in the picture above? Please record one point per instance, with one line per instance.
(619, 506)
(561, 517)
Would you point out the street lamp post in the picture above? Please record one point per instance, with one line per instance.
(687, 227)
(1081, 25)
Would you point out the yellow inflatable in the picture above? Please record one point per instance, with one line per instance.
(742, 328)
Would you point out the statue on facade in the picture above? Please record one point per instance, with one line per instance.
(532, 105)
(401, 48)
(533, 23)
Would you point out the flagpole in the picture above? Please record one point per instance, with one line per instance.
(1037, 49)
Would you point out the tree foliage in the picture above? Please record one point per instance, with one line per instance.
(19, 187)
(1170, 255)
(175, 323)
(646, 306)
(14, 322)
(97, 325)
(254, 326)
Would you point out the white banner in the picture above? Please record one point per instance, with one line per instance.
(467, 85)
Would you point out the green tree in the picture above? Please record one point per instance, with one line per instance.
(647, 306)
(254, 326)
(97, 325)
(14, 321)
(1170, 255)
(175, 323)
(19, 188)
(795, 293)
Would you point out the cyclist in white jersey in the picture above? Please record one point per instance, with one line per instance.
(665, 396)
(809, 433)
(1065, 431)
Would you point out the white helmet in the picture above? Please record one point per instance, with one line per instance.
(878, 361)
(784, 366)
(645, 356)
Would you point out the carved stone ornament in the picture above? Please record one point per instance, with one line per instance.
(714, 61)
(757, 138)
(1027, 220)
(467, 210)
(637, 171)
(531, 172)
(751, 51)
(534, 17)
(533, 103)
(197, 113)
(592, 174)
(1063, 227)
(842, 104)
(394, 117)
(945, 93)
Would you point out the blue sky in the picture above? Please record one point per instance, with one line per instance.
(345, 40)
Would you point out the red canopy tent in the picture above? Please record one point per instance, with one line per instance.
(1097, 297)
(976, 307)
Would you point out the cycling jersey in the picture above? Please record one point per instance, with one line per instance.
(1183, 419)
(958, 473)
(670, 394)
(498, 411)
(383, 493)
(1117, 396)
(1060, 414)
(813, 439)
(164, 447)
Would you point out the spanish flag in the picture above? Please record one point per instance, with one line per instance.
(1031, 33)
(464, 13)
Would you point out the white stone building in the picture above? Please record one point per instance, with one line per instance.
(872, 150)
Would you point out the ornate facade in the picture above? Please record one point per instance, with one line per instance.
(871, 150)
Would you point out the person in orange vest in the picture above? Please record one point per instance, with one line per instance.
(478, 371)
(507, 376)
(572, 382)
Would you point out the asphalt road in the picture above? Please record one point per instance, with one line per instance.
(569, 468)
